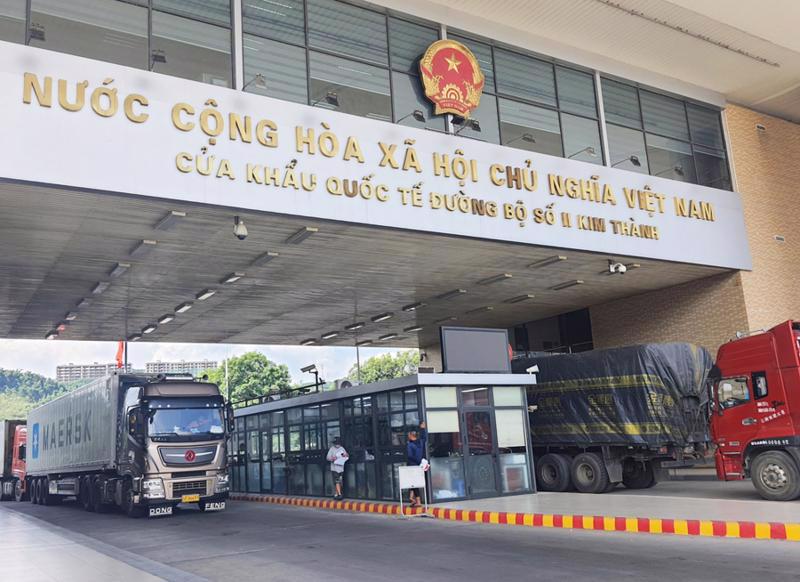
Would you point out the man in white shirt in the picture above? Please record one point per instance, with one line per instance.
(337, 457)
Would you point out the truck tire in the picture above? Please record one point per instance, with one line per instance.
(128, 507)
(37, 491)
(83, 493)
(19, 494)
(589, 473)
(96, 499)
(776, 476)
(638, 474)
(553, 473)
(4, 487)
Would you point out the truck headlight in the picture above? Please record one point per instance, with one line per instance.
(222, 483)
(153, 488)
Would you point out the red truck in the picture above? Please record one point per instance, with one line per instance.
(12, 460)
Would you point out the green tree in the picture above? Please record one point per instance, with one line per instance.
(251, 375)
(387, 366)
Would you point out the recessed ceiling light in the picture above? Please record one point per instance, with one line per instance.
(51, 335)
(495, 279)
(364, 343)
(166, 318)
(184, 307)
(263, 259)
(135, 337)
(329, 335)
(387, 337)
(119, 269)
(71, 316)
(100, 287)
(412, 329)
(520, 298)
(445, 319)
(308, 342)
(481, 309)
(232, 278)
(83, 303)
(205, 294)
(382, 317)
(301, 235)
(451, 294)
(567, 284)
(413, 306)
(547, 261)
(149, 328)
(142, 248)
(169, 220)
(355, 326)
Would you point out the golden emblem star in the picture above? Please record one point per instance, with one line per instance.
(452, 62)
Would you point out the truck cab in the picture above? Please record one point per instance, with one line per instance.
(755, 411)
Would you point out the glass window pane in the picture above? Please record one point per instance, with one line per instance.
(310, 413)
(282, 20)
(252, 446)
(486, 116)
(218, 11)
(411, 398)
(350, 87)
(475, 396)
(110, 31)
(251, 421)
(581, 139)
(408, 42)
(12, 20)
(576, 92)
(507, 396)
(510, 427)
(408, 97)
(442, 421)
(192, 50)
(621, 104)
(531, 128)
(295, 438)
(705, 126)
(670, 158)
(330, 411)
(447, 477)
(253, 478)
(294, 415)
(482, 52)
(626, 149)
(264, 421)
(440, 397)
(525, 77)
(277, 418)
(383, 402)
(514, 474)
(664, 115)
(396, 400)
(343, 28)
(266, 477)
(266, 452)
(712, 168)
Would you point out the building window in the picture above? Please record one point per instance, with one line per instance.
(283, 67)
(407, 43)
(284, 22)
(217, 11)
(348, 30)
(581, 138)
(349, 86)
(12, 20)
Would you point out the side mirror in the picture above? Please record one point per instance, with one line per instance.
(136, 424)
(230, 417)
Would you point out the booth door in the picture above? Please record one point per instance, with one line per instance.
(481, 452)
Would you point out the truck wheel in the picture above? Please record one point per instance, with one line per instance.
(776, 476)
(83, 493)
(96, 499)
(128, 507)
(638, 475)
(32, 491)
(589, 473)
(4, 491)
(19, 494)
(553, 473)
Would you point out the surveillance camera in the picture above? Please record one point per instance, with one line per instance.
(617, 268)
(533, 369)
(239, 229)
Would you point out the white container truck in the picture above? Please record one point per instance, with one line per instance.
(143, 444)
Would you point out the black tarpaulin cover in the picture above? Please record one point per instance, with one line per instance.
(651, 395)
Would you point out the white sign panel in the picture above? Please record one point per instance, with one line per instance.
(80, 123)
(410, 477)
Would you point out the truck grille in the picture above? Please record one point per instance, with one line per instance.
(184, 487)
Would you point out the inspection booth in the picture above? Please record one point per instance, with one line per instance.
(478, 438)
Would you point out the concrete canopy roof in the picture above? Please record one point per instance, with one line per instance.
(59, 244)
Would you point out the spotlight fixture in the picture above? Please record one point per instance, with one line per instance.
(527, 137)
(473, 124)
(413, 306)
(36, 32)
(520, 298)
(258, 80)
(169, 220)
(119, 269)
(451, 294)
(135, 337)
(232, 278)
(567, 284)
(239, 228)
(263, 259)
(588, 149)
(83, 303)
(53, 334)
(495, 279)
(634, 159)
(308, 342)
(445, 319)
(166, 318)
(184, 307)
(483, 309)
(301, 235)
(71, 316)
(329, 335)
(205, 294)
(157, 56)
(416, 114)
(363, 343)
(149, 328)
(412, 329)
(387, 337)
(382, 317)
(331, 97)
(100, 287)
(548, 261)
(355, 326)
(142, 248)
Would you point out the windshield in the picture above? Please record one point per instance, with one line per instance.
(186, 421)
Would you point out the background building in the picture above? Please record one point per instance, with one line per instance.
(70, 372)
(194, 368)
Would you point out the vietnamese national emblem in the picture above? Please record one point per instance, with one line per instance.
(452, 77)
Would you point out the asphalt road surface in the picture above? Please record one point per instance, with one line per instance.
(253, 541)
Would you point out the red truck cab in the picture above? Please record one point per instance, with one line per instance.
(18, 463)
(755, 411)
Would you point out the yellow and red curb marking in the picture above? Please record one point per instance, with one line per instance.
(681, 527)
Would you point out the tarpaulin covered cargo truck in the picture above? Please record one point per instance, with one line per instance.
(616, 416)
(144, 444)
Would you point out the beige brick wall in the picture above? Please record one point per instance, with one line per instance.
(710, 311)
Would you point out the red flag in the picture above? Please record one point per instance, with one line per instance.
(120, 353)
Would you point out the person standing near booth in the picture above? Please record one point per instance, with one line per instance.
(415, 453)
(337, 456)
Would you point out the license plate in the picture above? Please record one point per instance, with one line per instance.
(215, 506)
(159, 511)
(190, 498)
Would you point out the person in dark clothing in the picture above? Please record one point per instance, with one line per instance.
(415, 452)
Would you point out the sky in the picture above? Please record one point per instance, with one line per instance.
(42, 356)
